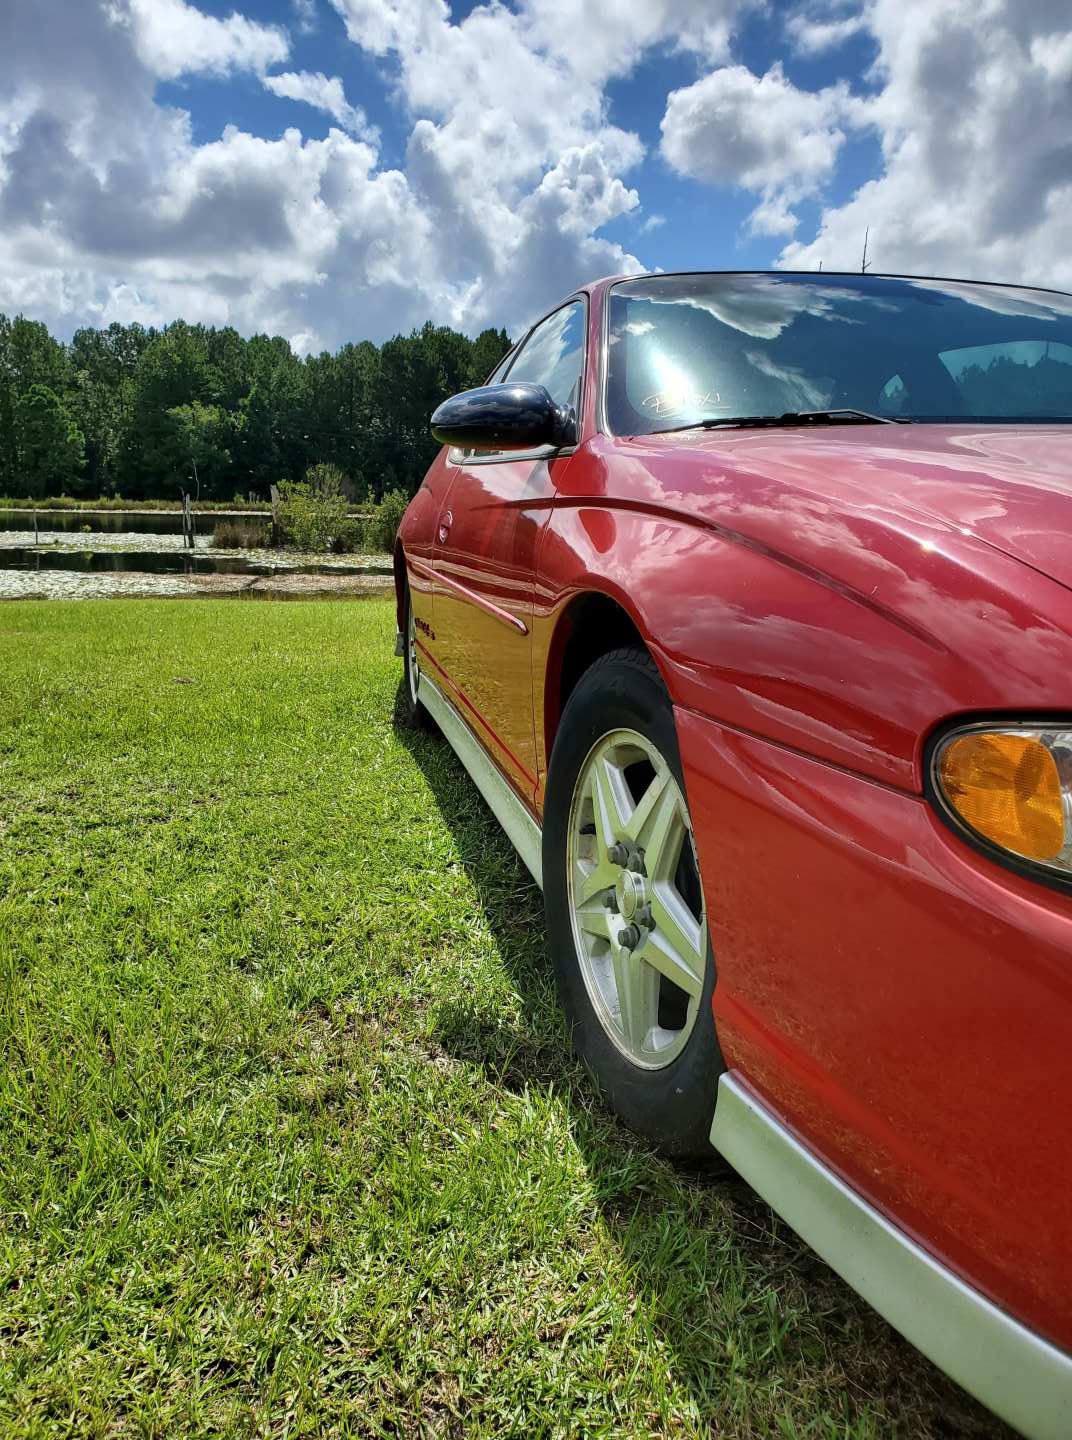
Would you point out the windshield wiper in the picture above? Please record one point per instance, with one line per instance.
(788, 420)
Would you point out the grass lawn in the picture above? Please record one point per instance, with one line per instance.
(291, 1139)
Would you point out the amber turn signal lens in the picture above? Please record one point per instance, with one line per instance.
(1007, 788)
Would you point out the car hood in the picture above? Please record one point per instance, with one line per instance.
(952, 487)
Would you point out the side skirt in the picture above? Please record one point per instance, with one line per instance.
(1013, 1371)
(510, 812)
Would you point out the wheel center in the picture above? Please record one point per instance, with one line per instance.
(632, 893)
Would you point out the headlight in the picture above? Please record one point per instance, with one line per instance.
(1009, 787)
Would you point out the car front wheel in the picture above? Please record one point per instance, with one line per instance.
(626, 918)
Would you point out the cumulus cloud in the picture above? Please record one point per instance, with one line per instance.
(174, 38)
(602, 38)
(109, 207)
(817, 29)
(760, 132)
(325, 93)
(973, 115)
(969, 103)
(521, 176)
(109, 210)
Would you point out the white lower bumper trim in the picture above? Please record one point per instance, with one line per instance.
(486, 776)
(1018, 1375)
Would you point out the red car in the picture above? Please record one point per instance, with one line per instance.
(744, 599)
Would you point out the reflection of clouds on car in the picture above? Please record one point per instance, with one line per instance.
(1002, 299)
(552, 355)
(806, 393)
(897, 346)
(760, 305)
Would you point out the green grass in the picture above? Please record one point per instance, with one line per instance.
(291, 1139)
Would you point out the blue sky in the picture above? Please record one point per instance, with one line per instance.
(333, 169)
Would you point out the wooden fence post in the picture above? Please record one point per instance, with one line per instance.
(273, 491)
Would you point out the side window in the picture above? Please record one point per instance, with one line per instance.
(499, 373)
(553, 355)
(1014, 377)
(893, 397)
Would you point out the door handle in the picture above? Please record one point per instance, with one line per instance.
(446, 520)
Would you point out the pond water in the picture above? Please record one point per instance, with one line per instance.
(107, 522)
(69, 564)
(173, 562)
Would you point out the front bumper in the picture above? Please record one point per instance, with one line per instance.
(902, 1008)
(1020, 1376)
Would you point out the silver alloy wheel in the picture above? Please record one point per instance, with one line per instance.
(636, 901)
(412, 674)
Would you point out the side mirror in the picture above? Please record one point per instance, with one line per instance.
(503, 417)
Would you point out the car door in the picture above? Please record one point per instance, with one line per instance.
(484, 557)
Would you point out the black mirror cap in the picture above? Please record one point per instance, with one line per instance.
(517, 416)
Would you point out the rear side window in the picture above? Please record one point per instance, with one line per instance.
(1021, 377)
(554, 354)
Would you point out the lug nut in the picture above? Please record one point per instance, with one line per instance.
(610, 900)
(617, 854)
(629, 938)
(645, 917)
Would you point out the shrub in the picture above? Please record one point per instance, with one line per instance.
(381, 528)
(313, 513)
(239, 534)
(327, 479)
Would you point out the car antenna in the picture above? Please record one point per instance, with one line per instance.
(864, 262)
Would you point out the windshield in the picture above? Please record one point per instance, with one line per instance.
(685, 349)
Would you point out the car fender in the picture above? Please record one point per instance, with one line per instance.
(776, 646)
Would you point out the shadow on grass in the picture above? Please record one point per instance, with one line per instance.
(747, 1312)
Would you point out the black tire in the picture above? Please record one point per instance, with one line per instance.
(413, 712)
(672, 1107)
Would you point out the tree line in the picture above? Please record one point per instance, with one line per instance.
(135, 411)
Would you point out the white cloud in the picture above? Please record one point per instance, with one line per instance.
(323, 93)
(512, 131)
(110, 209)
(174, 38)
(304, 15)
(759, 132)
(519, 86)
(601, 38)
(814, 30)
(973, 116)
(1053, 54)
